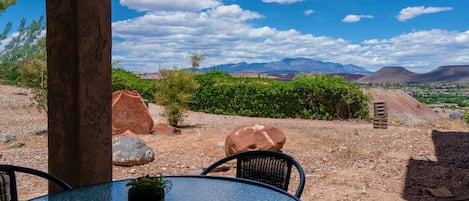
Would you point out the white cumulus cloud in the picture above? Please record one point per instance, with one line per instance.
(165, 39)
(355, 18)
(282, 1)
(170, 5)
(411, 12)
(309, 12)
(441, 48)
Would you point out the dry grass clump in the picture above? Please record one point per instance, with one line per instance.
(451, 124)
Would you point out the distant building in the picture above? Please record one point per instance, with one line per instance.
(436, 106)
(455, 115)
(149, 76)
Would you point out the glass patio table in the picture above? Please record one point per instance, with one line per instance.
(197, 188)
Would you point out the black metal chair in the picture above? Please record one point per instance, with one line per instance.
(8, 188)
(271, 167)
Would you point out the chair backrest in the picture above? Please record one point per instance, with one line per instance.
(271, 167)
(8, 188)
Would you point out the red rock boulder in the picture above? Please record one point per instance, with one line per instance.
(254, 137)
(129, 113)
(165, 129)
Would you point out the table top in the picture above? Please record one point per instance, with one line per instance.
(206, 188)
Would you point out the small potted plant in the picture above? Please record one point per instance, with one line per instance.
(148, 188)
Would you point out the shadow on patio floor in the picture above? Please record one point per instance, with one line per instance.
(447, 178)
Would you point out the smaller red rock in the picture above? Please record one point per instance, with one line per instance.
(165, 129)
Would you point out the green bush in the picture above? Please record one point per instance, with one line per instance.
(330, 97)
(125, 80)
(32, 73)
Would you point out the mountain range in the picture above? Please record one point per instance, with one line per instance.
(287, 68)
(289, 65)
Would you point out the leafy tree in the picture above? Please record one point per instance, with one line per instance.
(3, 35)
(21, 47)
(196, 58)
(23, 58)
(5, 4)
(175, 89)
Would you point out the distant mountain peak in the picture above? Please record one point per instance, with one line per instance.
(395, 69)
(442, 74)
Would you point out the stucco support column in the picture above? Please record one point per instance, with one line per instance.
(79, 91)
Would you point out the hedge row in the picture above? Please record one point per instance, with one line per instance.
(125, 80)
(312, 97)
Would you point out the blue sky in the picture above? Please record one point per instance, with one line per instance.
(149, 35)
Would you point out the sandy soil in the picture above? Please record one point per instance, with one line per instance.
(418, 154)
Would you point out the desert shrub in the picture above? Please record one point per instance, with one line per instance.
(125, 80)
(465, 116)
(312, 97)
(175, 89)
(32, 73)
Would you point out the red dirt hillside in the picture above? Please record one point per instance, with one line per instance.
(402, 108)
(440, 75)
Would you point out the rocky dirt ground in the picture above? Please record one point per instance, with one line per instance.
(419, 157)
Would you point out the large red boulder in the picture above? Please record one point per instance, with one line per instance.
(129, 113)
(254, 137)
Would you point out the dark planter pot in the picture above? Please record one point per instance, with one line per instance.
(137, 197)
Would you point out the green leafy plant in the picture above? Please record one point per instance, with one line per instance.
(148, 188)
(175, 88)
(33, 74)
